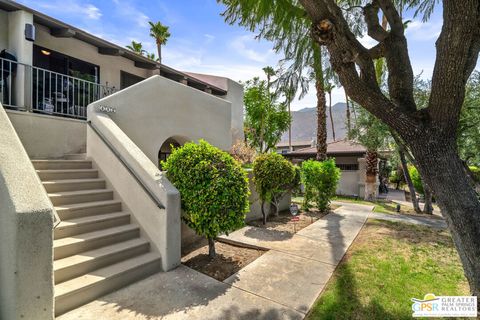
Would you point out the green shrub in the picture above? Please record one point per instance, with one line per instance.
(476, 173)
(417, 181)
(213, 188)
(320, 180)
(273, 176)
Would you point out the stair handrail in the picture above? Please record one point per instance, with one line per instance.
(140, 181)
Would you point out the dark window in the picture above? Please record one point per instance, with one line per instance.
(128, 79)
(347, 167)
(58, 62)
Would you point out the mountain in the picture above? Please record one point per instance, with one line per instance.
(304, 123)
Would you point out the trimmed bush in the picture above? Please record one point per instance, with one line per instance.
(213, 189)
(320, 179)
(273, 176)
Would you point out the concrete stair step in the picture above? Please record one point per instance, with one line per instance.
(67, 174)
(78, 291)
(73, 185)
(75, 156)
(61, 164)
(80, 264)
(72, 227)
(84, 209)
(70, 246)
(69, 197)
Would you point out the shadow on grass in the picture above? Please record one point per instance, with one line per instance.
(343, 302)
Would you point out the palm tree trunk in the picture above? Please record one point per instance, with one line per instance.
(349, 124)
(371, 162)
(321, 104)
(321, 122)
(330, 111)
(289, 129)
(159, 48)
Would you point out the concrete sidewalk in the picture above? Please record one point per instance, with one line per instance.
(282, 284)
(296, 269)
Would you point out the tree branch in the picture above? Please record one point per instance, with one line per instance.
(392, 15)
(346, 53)
(374, 29)
(455, 61)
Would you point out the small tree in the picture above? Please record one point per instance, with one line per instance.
(213, 188)
(265, 119)
(320, 179)
(273, 176)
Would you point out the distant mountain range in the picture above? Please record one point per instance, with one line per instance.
(304, 123)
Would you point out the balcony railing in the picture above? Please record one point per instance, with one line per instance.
(24, 87)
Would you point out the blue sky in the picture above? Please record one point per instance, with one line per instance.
(202, 42)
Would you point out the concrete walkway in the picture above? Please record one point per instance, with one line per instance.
(433, 222)
(282, 284)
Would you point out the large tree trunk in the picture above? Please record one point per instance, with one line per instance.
(441, 167)
(330, 111)
(408, 179)
(430, 133)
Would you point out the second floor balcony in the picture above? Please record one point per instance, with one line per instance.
(28, 88)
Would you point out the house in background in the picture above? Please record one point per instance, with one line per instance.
(85, 209)
(349, 157)
(284, 147)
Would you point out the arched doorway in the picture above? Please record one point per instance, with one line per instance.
(167, 145)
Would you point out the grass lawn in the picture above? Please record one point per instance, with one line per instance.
(391, 208)
(388, 264)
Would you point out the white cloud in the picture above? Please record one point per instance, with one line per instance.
(129, 12)
(243, 46)
(209, 38)
(70, 7)
(423, 31)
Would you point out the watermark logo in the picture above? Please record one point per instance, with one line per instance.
(444, 306)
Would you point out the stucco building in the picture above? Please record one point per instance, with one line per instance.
(83, 124)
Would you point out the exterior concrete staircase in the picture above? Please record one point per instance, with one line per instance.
(97, 249)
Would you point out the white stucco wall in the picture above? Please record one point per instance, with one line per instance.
(348, 184)
(110, 66)
(46, 136)
(3, 30)
(160, 225)
(235, 96)
(26, 237)
(156, 109)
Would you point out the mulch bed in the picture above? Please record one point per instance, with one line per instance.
(229, 259)
(283, 222)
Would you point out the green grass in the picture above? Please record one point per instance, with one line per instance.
(388, 264)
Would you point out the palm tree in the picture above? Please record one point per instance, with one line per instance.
(152, 56)
(160, 33)
(136, 47)
(289, 93)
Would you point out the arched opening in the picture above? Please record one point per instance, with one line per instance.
(167, 146)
